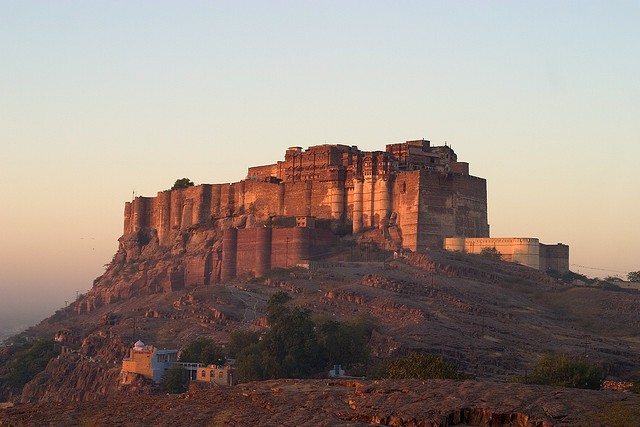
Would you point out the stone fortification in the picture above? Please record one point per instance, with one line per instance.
(525, 251)
(422, 190)
(254, 251)
(554, 257)
(412, 194)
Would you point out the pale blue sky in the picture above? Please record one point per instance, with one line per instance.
(98, 99)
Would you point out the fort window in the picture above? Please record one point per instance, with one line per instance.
(404, 187)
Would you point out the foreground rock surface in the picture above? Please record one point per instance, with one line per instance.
(346, 403)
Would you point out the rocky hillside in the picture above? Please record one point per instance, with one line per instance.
(490, 318)
(436, 403)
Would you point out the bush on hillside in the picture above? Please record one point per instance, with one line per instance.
(491, 252)
(560, 370)
(569, 276)
(422, 366)
(633, 276)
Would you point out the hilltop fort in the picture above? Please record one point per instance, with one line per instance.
(318, 208)
(413, 196)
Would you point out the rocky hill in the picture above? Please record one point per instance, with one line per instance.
(437, 403)
(490, 318)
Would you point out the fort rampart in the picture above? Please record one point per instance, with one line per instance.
(413, 191)
(254, 251)
(422, 190)
(525, 251)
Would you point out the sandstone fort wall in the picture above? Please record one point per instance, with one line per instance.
(254, 251)
(554, 257)
(356, 190)
(525, 251)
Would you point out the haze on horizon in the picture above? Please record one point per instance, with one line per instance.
(101, 100)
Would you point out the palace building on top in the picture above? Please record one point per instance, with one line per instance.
(416, 195)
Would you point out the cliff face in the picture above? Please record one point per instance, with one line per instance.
(89, 373)
(72, 377)
(143, 266)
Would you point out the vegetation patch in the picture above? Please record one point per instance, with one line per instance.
(422, 366)
(297, 347)
(491, 253)
(203, 350)
(560, 370)
(182, 183)
(569, 276)
(28, 362)
(175, 380)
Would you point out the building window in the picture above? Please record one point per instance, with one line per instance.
(203, 374)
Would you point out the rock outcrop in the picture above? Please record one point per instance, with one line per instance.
(72, 377)
(435, 403)
(141, 266)
(489, 318)
(90, 373)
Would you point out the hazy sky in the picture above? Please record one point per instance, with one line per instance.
(102, 98)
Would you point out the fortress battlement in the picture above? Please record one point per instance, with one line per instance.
(412, 195)
(419, 189)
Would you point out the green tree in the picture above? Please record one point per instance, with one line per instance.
(175, 380)
(182, 183)
(295, 346)
(634, 276)
(422, 366)
(291, 344)
(289, 349)
(249, 363)
(240, 340)
(202, 350)
(276, 307)
(560, 370)
(26, 363)
(345, 343)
